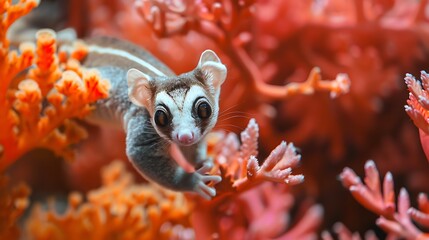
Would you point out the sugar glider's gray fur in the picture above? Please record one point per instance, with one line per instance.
(185, 108)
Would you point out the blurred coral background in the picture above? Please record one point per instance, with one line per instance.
(278, 55)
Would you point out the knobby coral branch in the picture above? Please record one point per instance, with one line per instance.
(421, 215)
(340, 85)
(418, 101)
(369, 195)
(68, 89)
(343, 233)
(249, 146)
(47, 71)
(35, 102)
(241, 168)
(417, 106)
(314, 82)
(394, 219)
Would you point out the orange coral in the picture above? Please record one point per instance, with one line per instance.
(13, 202)
(119, 209)
(47, 71)
(57, 78)
(11, 63)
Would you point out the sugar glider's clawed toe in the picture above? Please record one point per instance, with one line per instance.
(202, 188)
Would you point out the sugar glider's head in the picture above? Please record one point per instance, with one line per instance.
(183, 108)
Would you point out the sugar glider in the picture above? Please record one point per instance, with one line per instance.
(156, 108)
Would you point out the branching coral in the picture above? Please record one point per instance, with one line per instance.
(418, 101)
(340, 37)
(12, 64)
(13, 202)
(395, 218)
(120, 209)
(244, 207)
(253, 202)
(240, 168)
(39, 102)
(418, 106)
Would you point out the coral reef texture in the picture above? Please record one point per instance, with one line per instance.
(144, 211)
(119, 209)
(329, 76)
(53, 77)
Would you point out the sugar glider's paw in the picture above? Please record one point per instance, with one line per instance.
(205, 166)
(201, 186)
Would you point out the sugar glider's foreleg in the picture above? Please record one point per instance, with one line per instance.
(196, 155)
(150, 154)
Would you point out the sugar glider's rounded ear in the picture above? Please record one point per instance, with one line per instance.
(211, 65)
(139, 88)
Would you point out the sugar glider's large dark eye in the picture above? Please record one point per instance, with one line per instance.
(203, 108)
(162, 118)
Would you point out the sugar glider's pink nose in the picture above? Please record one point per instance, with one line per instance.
(185, 137)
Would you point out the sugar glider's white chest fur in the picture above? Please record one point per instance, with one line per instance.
(155, 107)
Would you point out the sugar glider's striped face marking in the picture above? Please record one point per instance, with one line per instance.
(184, 115)
(184, 108)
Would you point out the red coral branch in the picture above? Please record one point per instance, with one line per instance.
(417, 106)
(395, 222)
(421, 216)
(370, 195)
(240, 166)
(418, 101)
